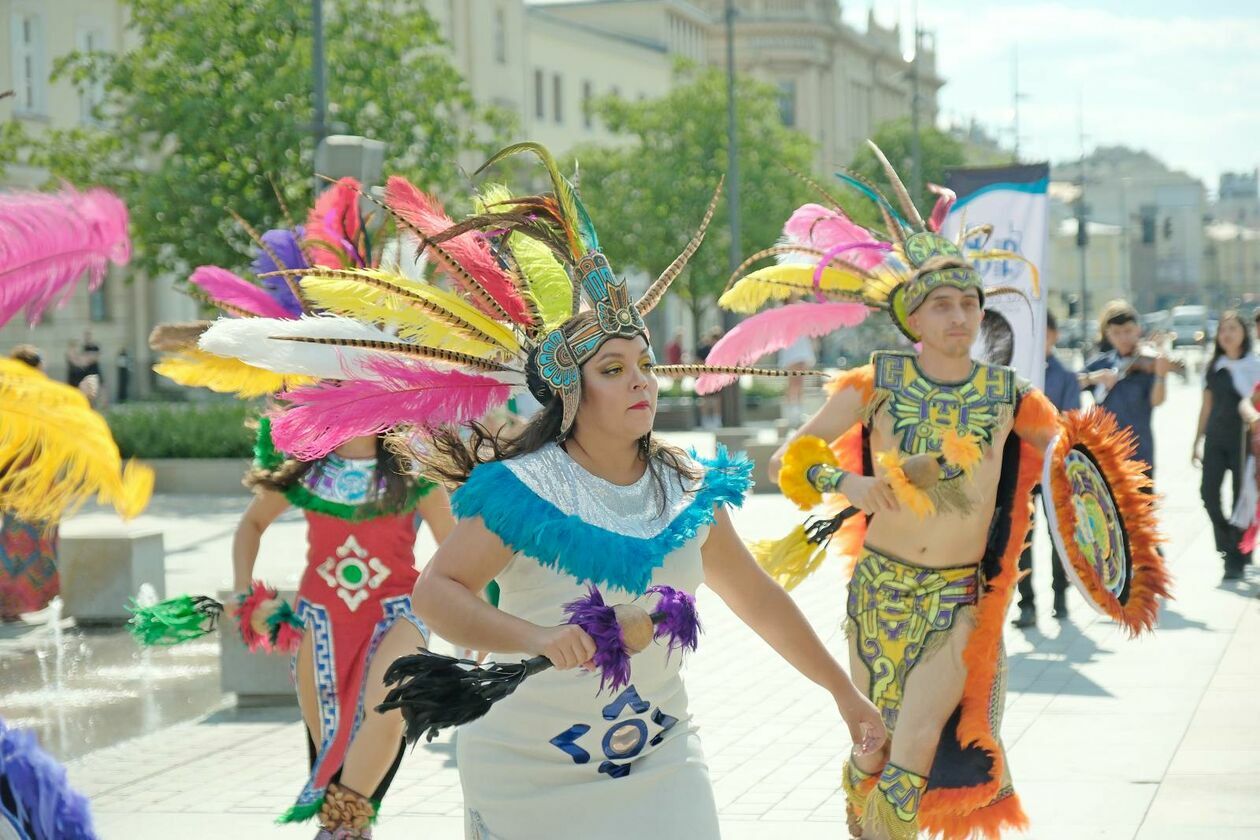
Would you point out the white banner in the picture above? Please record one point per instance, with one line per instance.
(1014, 200)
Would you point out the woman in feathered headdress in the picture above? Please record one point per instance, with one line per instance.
(352, 616)
(584, 497)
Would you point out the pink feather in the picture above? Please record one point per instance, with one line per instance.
(332, 226)
(225, 287)
(321, 417)
(822, 228)
(468, 249)
(945, 199)
(772, 330)
(48, 242)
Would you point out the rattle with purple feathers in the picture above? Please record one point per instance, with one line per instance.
(435, 692)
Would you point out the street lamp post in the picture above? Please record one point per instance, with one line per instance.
(319, 126)
(731, 402)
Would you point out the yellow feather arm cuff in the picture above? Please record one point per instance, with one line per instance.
(804, 452)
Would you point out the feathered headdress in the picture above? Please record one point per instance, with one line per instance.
(48, 242)
(337, 235)
(839, 271)
(409, 352)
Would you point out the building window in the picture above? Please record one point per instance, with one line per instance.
(29, 78)
(92, 94)
(540, 104)
(98, 302)
(588, 118)
(787, 103)
(500, 35)
(557, 91)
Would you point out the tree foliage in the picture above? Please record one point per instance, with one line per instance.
(214, 103)
(648, 195)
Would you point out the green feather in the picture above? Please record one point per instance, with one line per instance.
(562, 188)
(546, 278)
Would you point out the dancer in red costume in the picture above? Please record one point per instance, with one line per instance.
(354, 603)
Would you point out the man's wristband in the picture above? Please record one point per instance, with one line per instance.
(826, 478)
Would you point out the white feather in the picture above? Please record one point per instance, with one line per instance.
(259, 342)
(256, 342)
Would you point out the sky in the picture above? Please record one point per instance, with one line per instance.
(1177, 78)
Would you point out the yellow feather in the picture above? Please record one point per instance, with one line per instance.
(789, 560)
(365, 303)
(57, 452)
(546, 280)
(199, 369)
(454, 306)
(1000, 254)
(783, 282)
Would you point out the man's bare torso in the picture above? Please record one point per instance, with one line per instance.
(949, 538)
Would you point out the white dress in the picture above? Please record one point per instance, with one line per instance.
(558, 759)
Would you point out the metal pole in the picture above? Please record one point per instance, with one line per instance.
(916, 149)
(1015, 97)
(732, 402)
(319, 127)
(1082, 228)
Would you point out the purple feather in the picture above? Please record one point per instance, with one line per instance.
(600, 622)
(679, 622)
(38, 784)
(286, 248)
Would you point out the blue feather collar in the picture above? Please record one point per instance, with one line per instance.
(528, 522)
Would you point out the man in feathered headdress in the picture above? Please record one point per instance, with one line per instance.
(936, 554)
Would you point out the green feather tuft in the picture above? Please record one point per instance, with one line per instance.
(173, 621)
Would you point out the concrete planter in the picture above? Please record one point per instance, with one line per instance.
(199, 476)
(102, 572)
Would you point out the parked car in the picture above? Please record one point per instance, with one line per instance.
(1189, 326)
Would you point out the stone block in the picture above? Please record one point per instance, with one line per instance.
(102, 572)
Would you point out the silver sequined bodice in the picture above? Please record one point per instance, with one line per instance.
(634, 510)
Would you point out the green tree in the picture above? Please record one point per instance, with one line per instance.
(214, 103)
(647, 197)
(939, 152)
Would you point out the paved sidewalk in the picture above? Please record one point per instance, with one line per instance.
(1152, 739)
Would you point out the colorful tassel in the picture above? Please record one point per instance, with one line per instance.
(246, 605)
(789, 560)
(174, 620)
(286, 629)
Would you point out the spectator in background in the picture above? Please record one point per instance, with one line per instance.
(1220, 445)
(1062, 389)
(1128, 385)
(799, 355)
(124, 374)
(710, 404)
(674, 350)
(74, 364)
